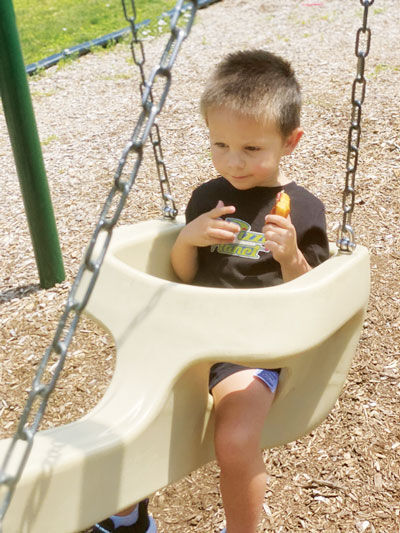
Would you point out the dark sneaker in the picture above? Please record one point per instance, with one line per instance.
(144, 524)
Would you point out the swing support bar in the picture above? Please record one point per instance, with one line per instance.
(28, 157)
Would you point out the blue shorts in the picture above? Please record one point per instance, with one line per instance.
(220, 371)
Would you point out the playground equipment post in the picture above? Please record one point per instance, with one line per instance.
(19, 114)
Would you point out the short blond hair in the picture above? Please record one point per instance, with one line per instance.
(258, 84)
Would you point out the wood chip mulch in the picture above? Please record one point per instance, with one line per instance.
(345, 476)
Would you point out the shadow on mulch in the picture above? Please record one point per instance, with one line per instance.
(19, 292)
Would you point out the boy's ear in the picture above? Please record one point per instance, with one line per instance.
(292, 140)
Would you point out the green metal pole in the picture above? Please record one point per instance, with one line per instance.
(28, 157)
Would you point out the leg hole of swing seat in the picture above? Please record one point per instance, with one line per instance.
(87, 372)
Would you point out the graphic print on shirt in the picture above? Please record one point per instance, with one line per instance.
(248, 244)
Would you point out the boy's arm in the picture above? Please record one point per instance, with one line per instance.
(281, 240)
(184, 259)
(295, 268)
(205, 230)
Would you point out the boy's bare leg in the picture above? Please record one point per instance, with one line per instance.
(241, 404)
(127, 511)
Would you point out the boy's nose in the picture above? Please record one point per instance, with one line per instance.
(235, 161)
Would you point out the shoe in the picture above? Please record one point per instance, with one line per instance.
(144, 524)
(107, 526)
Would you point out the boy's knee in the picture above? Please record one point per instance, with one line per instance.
(233, 446)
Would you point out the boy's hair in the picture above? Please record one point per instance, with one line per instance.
(258, 84)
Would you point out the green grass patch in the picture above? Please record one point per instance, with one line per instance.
(47, 27)
(380, 68)
(49, 140)
(42, 94)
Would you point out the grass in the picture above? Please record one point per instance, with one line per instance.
(382, 67)
(46, 27)
(49, 139)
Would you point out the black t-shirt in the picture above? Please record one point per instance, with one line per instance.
(245, 263)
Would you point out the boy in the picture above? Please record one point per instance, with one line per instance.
(251, 106)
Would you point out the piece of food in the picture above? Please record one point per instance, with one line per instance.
(282, 205)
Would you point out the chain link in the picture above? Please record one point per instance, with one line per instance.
(22, 442)
(346, 237)
(139, 58)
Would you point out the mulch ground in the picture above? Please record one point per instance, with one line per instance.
(345, 476)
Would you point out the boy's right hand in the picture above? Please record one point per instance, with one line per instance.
(209, 228)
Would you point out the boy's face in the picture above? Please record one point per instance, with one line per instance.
(246, 152)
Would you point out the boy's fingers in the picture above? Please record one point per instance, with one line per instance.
(273, 229)
(221, 210)
(277, 220)
(229, 226)
(221, 235)
(269, 246)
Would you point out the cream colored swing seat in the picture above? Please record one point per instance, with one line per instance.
(155, 424)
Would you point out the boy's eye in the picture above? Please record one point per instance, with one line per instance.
(220, 145)
(252, 148)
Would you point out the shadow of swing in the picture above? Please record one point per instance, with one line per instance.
(19, 292)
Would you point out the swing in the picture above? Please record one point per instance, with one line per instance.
(141, 438)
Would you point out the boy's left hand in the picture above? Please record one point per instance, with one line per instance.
(280, 238)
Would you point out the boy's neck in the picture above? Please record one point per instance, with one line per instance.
(282, 179)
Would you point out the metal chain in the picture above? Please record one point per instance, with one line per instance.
(22, 442)
(346, 237)
(169, 208)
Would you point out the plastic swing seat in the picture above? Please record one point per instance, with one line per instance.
(155, 423)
